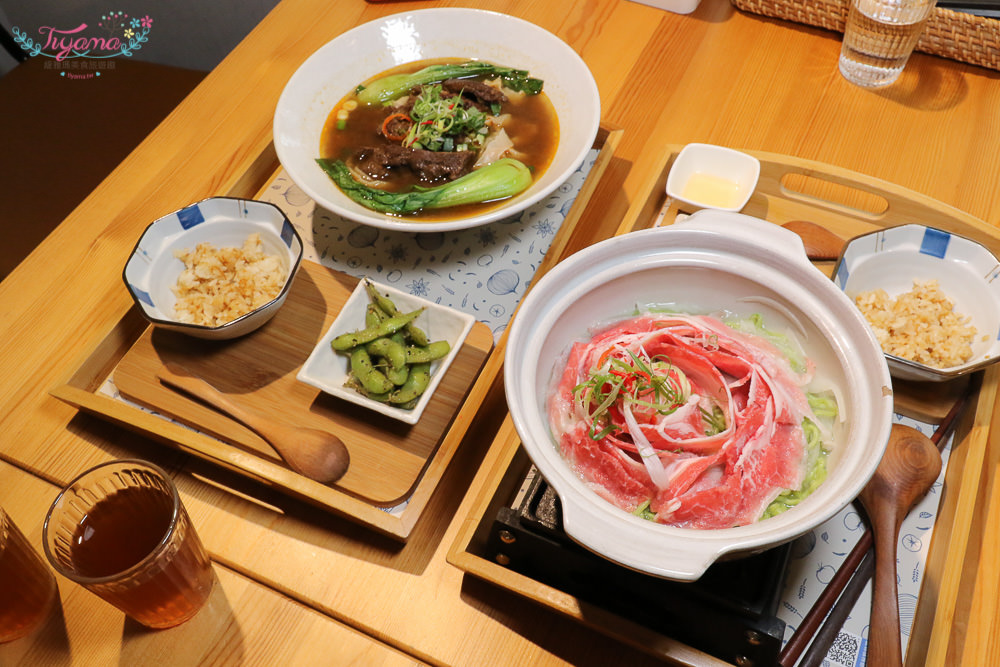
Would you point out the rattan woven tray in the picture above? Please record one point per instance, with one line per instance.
(955, 35)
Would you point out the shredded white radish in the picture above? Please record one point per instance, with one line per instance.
(649, 456)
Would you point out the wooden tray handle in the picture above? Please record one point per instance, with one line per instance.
(833, 189)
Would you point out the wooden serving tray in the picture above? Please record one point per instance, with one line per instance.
(395, 468)
(258, 370)
(849, 204)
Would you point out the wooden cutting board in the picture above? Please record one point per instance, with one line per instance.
(258, 370)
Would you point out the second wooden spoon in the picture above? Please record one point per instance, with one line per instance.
(820, 243)
(910, 466)
(311, 452)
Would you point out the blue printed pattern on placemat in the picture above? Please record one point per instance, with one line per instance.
(483, 271)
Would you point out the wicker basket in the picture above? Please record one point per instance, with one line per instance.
(956, 35)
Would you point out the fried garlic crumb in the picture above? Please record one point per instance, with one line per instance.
(219, 285)
(920, 325)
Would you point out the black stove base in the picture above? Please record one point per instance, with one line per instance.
(729, 613)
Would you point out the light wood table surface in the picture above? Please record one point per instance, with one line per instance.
(715, 76)
(242, 622)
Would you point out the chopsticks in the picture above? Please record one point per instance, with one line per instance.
(827, 634)
(822, 623)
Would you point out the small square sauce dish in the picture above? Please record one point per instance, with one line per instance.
(714, 177)
(928, 339)
(328, 370)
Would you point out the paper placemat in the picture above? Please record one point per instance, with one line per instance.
(483, 271)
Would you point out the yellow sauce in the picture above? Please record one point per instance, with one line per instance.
(711, 191)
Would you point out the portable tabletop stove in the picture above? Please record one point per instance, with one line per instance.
(730, 613)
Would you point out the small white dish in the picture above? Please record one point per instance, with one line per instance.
(327, 370)
(966, 271)
(355, 56)
(714, 177)
(151, 272)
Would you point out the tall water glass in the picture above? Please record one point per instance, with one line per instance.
(879, 38)
(120, 530)
(27, 585)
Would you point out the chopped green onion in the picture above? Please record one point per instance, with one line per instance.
(644, 512)
(652, 384)
(438, 121)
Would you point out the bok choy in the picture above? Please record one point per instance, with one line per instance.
(393, 86)
(501, 179)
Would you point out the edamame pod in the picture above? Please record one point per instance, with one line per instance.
(347, 341)
(353, 383)
(384, 303)
(416, 384)
(380, 300)
(390, 357)
(394, 355)
(371, 379)
(435, 350)
(373, 316)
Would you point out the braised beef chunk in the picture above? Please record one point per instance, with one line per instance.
(429, 166)
(481, 92)
(434, 166)
(378, 161)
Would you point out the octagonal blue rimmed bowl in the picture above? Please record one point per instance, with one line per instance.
(152, 269)
(966, 271)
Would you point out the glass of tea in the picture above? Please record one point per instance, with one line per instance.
(27, 584)
(120, 530)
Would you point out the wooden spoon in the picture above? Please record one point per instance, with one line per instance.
(821, 244)
(311, 452)
(910, 466)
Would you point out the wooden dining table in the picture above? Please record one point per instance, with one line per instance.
(298, 585)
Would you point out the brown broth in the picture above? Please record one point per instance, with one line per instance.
(533, 128)
(27, 585)
(120, 532)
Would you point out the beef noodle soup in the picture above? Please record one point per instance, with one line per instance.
(393, 147)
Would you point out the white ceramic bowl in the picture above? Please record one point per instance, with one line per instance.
(712, 261)
(152, 270)
(340, 65)
(966, 271)
(716, 177)
(328, 370)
